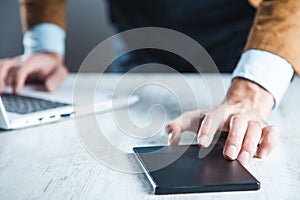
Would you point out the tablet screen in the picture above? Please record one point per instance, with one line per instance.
(178, 169)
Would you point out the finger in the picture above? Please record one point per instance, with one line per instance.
(188, 121)
(237, 129)
(208, 128)
(9, 79)
(21, 75)
(55, 79)
(251, 140)
(5, 66)
(204, 130)
(174, 134)
(270, 136)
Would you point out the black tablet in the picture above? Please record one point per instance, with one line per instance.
(178, 169)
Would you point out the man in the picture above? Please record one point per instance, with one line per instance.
(260, 79)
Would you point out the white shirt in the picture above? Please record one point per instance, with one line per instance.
(268, 70)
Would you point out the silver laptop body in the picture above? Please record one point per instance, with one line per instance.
(50, 110)
(30, 111)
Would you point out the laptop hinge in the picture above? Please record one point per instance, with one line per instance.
(4, 122)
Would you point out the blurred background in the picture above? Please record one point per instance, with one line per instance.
(93, 31)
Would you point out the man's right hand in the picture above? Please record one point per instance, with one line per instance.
(45, 68)
(242, 115)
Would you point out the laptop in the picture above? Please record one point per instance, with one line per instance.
(33, 107)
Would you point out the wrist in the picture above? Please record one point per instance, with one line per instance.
(59, 57)
(266, 69)
(246, 95)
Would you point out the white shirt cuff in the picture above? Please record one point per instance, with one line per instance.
(268, 70)
(45, 37)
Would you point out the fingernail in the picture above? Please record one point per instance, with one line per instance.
(170, 138)
(202, 140)
(231, 152)
(263, 153)
(244, 157)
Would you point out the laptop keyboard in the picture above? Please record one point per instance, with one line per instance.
(23, 104)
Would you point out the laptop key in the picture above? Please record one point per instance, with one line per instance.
(23, 104)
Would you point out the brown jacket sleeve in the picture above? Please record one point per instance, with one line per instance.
(276, 29)
(42, 11)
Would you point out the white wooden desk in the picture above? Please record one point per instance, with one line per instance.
(50, 161)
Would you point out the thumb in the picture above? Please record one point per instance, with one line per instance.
(54, 79)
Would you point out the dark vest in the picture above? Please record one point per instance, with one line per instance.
(220, 26)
